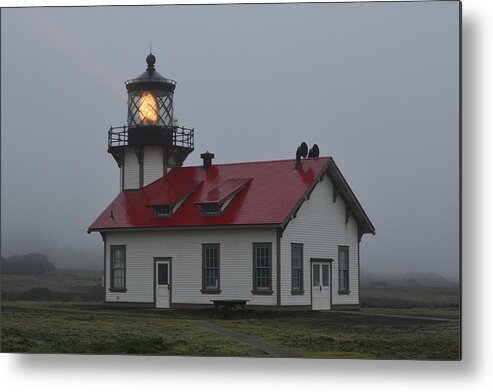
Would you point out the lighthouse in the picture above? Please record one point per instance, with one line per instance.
(276, 234)
(151, 143)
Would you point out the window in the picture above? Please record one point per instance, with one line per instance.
(325, 275)
(162, 274)
(262, 269)
(343, 269)
(296, 268)
(117, 268)
(316, 275)
(210, 268)
(211, 208)
(164, 210)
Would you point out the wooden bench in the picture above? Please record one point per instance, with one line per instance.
(229, 306)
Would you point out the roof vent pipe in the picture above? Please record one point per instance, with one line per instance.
(207, 157)
(301, 151)
(314, 152)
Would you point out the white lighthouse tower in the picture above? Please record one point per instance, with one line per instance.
(151, 143)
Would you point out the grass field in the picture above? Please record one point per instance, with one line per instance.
(402, 297)
(89, 327)
(441, 302)
(64, 285)
(53, 327)
(336, 335)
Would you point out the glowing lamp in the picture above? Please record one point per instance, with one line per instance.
(148, 109)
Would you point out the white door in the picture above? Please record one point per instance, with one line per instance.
(163, 284)
(320, 285)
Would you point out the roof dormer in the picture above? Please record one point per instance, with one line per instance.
(168, 202)
(215, 201)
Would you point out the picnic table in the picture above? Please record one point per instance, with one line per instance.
(227, 306)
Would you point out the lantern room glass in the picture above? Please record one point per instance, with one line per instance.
(150, 108)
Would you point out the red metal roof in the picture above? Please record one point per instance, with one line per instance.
(272, 191)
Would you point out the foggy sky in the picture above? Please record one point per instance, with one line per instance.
(375, 85)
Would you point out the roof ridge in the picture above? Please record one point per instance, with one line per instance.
(255, 162)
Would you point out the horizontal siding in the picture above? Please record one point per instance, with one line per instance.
(320, 225)
(184, 247)
(153, 164)
(131, 170)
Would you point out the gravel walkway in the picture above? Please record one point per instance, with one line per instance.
(268, 348)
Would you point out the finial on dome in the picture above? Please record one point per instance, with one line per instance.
(150, 60)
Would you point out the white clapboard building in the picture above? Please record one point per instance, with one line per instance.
(280, 234)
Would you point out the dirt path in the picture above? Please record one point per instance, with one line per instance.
(270, 349)
(392, 315)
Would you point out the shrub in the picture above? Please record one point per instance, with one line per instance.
(30, 264)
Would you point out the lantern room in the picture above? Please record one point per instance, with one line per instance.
(150, 98)
(151, 143)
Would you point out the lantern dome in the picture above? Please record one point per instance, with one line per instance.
(150, 98)
(150, 79)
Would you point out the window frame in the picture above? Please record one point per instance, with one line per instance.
(217, 210)
(297, 290)
(209, 290)
(343, 290)
(256, 290)
(123, 249)
(158, 214)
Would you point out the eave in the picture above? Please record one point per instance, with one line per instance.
(353, 206)
(167, 228)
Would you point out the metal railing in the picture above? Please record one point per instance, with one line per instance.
(182, 137)
(117, 136)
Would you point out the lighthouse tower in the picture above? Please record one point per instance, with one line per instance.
(151, 143)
